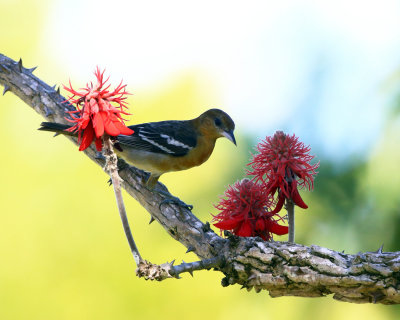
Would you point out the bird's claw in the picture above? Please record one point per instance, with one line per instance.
(168, 198)
(176, 201)
(122, 165)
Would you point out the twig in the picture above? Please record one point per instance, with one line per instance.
(290, 211)
(167, 270)
(112, 169)
(196, 266)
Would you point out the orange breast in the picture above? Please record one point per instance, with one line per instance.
(194, 158)
(161, 163)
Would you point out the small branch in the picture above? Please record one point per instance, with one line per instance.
(215, 262)
(167, 270)
(290, 211)
(112, 169)
(284, 269)
(150, 271)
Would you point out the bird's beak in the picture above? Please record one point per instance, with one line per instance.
(229, 135)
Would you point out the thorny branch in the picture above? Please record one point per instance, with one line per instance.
(284, 269)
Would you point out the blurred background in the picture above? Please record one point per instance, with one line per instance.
(327, 71)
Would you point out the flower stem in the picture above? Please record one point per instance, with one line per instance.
(290, 211)
(112, 169)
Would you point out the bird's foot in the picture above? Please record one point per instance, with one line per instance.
(174, 200)
(178, 202)
(122, 165)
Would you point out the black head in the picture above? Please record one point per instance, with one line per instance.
(220, 123)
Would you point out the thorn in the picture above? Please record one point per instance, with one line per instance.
(249, 288)
(224, 282)
(6, 88)
(176, 275)
(243, 287)
(377, 296)
(257, 289)
(151, 220)
(380, 250)
(20, 65)
(109, 182)
(58, 90)
(359, 257)
(31, 69)
(54, 87)
(227, 234)
(172, 263)
(206, 227)
(191, 272)
(252, 277)
(183, 261)
(189, 249)
(56, 134)
(48, 112)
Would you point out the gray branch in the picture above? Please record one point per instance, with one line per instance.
(284, 269)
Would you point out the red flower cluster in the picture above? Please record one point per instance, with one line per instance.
(244, 212)
(96, 114)
(279, 169)
(282, 165)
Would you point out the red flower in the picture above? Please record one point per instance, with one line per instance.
(244, 211)
(96, 114)
(282, 165)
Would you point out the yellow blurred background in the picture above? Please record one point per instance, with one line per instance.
(63, 253)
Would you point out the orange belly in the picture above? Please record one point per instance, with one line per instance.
(161, 163)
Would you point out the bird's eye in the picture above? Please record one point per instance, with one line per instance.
(217, 122)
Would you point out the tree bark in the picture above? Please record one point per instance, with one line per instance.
(284, 269)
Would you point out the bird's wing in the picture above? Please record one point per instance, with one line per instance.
(175, 138)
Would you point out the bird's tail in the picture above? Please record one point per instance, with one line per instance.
(58, 128)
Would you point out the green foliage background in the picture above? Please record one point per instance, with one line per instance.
(63, 254)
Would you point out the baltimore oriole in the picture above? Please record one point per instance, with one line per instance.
(160, 147)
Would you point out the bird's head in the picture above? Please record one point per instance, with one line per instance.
(217, 123)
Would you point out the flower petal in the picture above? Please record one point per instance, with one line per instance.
(99, 144)
(109, 126)
(227, 224)
(94, 107)
(123, 129)
(260, 224)
(297, 199)
(87, 138)
(98, 125)
(279, 205)
(245, 229)
(277, 228)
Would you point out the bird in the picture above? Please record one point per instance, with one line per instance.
(167, 146)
